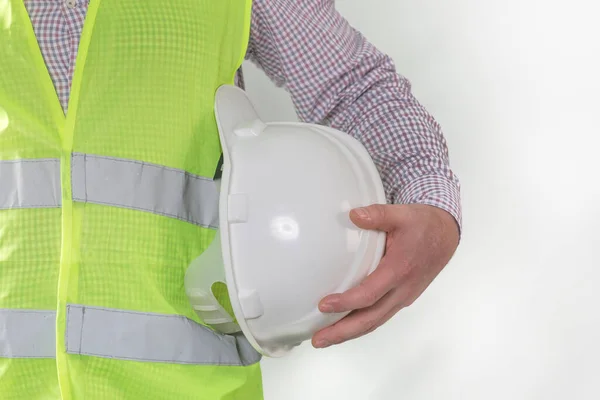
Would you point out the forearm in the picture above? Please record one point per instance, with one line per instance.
(404, 140)
(337, 77)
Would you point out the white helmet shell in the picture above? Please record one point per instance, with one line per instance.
(285, 239)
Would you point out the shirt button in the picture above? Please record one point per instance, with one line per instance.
(71, 3)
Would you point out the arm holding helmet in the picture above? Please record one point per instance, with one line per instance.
(336, 77)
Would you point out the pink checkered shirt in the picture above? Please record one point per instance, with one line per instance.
(334, 75)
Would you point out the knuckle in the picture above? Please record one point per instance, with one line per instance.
(379, 212)
(402, 271)
(368, 323)
(409, 301)
(406, 300)
(337, 339)
(368, 297)
(372, 328)
(398, 274)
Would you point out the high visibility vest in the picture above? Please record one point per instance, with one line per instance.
(103, 210)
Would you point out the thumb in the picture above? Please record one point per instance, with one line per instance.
(375, 217)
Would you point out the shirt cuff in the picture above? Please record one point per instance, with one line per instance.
(433, 190)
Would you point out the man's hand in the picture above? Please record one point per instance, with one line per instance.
(421, 240)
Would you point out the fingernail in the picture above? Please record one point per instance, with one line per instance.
(362, 213)
(323, 343)
(330, 304)
(327, 308)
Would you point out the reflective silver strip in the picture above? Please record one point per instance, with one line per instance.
(27, 334)
(30, 183)
(146, 187)
(123, 335)
(127, 335)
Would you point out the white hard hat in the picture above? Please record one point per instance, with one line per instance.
(285, 238)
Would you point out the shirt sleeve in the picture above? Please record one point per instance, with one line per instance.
(336, 77)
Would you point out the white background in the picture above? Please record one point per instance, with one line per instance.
(515, 85)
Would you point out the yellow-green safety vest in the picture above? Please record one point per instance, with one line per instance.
(103, 210)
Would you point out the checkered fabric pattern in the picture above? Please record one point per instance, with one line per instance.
(334, 75)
